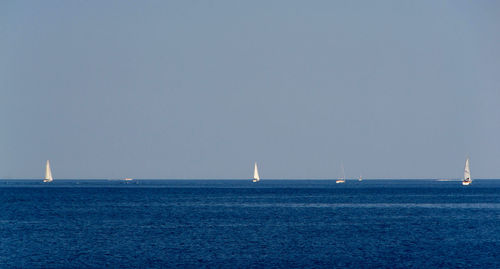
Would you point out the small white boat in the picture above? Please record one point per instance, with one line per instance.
(467, 179)
(48, 173)
(128, 179)
(360, 178)
(341, 179)
(256, 177)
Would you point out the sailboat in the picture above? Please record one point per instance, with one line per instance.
(48, 173)
(360, 178)
(467, 179)
(256, 177)
(342, 179)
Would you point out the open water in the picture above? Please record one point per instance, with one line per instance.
(237, 224)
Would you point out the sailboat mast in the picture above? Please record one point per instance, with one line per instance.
(343, 171)
(255, 173)
(48, 172)
(467, 170)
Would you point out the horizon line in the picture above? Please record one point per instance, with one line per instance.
(332, 179)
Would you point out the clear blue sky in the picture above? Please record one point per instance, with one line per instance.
(202, 89)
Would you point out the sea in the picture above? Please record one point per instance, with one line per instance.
(240, 224)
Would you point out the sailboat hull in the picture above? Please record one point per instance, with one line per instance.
(255, 180)
(340, 181)
(47, 180)
(465, 183)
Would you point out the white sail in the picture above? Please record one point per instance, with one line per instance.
(341, 179)
(48, 173)
(255, 174)
(343, 172)
(467, 171)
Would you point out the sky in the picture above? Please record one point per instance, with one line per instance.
(203, 89)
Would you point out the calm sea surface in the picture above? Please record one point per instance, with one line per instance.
(237, 224)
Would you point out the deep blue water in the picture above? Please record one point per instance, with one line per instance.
(237, 224)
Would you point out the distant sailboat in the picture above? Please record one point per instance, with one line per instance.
(48, 173)
(360, 178)
(256, 177)
(342, 179)
(467, 179)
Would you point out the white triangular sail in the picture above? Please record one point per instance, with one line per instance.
(48, 173)
(467, 171)
(255, 174)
